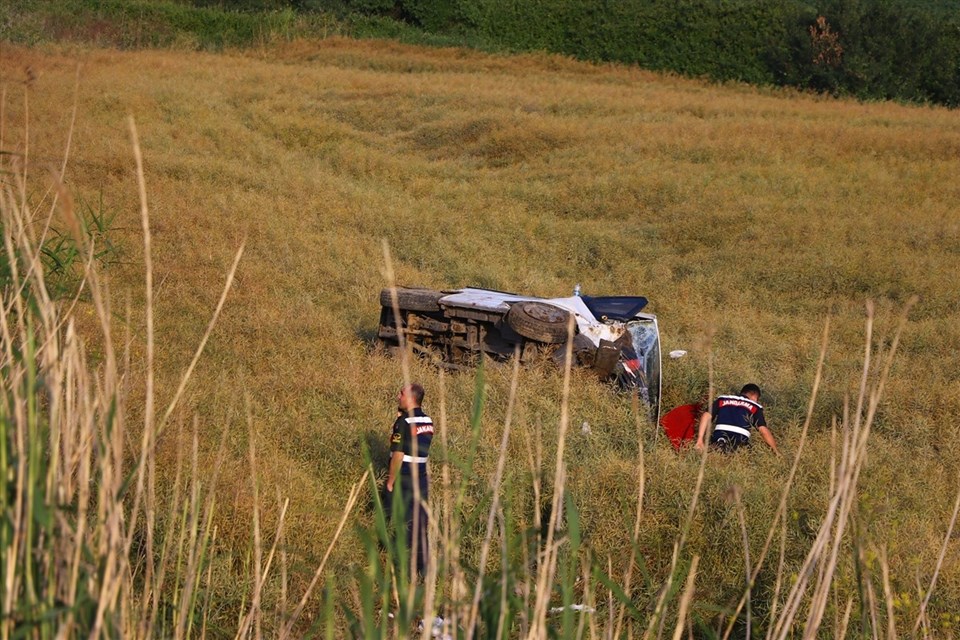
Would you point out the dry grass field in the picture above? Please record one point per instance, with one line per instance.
(747, 216)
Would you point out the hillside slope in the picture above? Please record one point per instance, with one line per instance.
(746, 216)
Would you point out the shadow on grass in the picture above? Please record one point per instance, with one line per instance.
(377, 448)
(368, 336)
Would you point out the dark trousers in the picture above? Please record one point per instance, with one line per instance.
(728, 444)
(414, 515)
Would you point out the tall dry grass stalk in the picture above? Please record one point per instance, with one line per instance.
(494, 505)
(89, 546)
(922, 615)
(547, 564)
(73, 536)
(634, 540)
(820, 564)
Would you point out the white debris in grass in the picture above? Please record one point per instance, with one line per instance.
(573, 607)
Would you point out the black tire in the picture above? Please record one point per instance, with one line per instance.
(413, 299)
(539, 321)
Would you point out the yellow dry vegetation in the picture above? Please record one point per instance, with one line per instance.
(747, 216)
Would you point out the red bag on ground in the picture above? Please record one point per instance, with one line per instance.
(680, 424)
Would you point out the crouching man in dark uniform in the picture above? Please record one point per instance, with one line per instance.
(735, 417)
(409, 447)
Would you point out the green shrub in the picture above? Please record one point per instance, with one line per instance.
(163, 23)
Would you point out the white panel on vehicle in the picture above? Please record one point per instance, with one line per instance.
(482, 299)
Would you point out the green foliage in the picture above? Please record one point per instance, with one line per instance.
(898, 50)
(162, 23)
(63, 252)
(246, 5)
(433, 16)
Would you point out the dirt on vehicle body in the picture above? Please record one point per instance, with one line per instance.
(610, 333)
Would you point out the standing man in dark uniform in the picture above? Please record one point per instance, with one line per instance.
(735, 418)
(409, 447)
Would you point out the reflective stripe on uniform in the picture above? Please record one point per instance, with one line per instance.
(407, 458)
(734, 429)
(419, 420)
